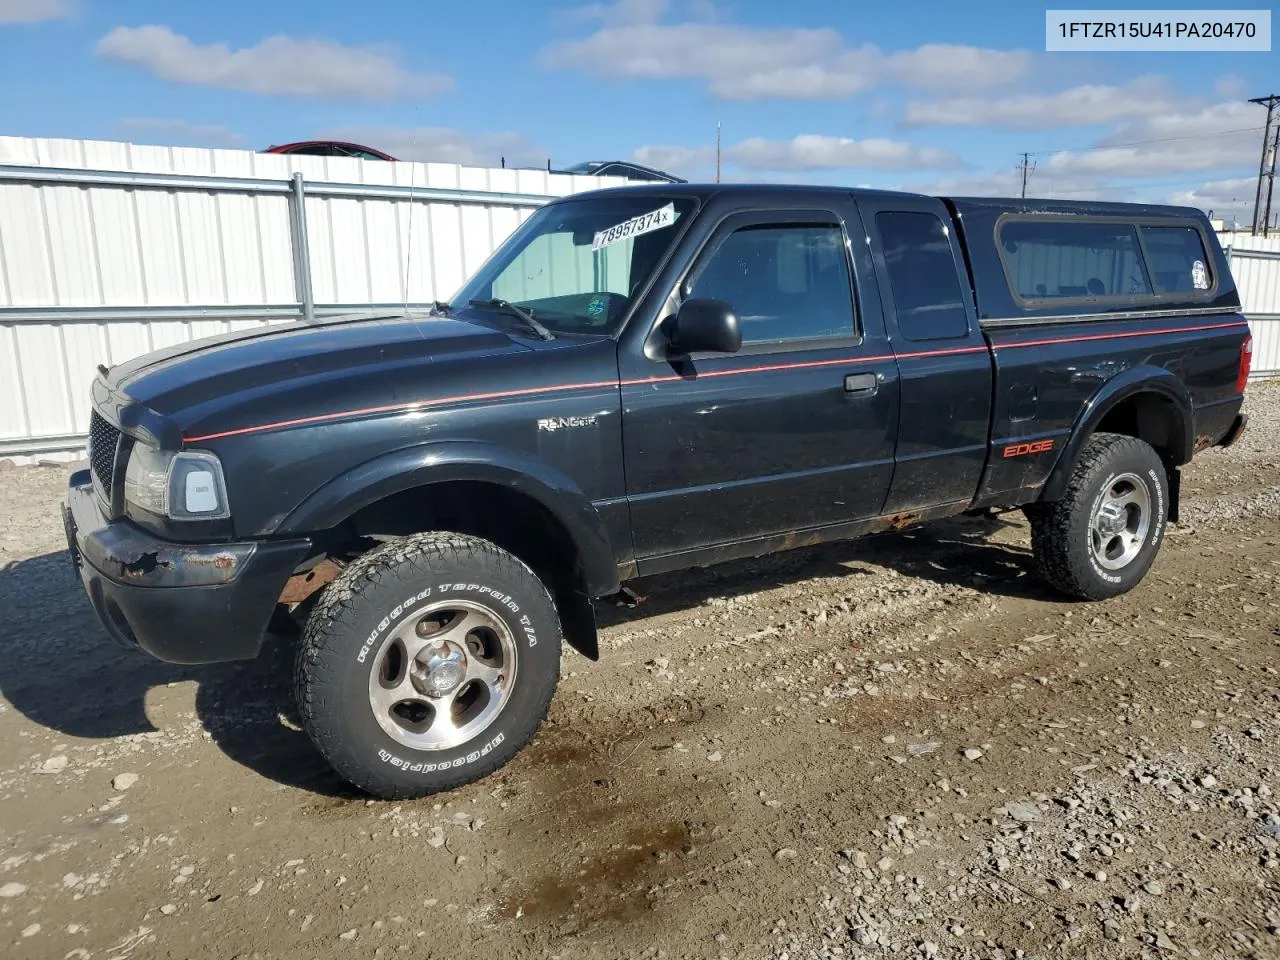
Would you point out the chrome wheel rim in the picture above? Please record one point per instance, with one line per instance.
(1121, 519)
(443, 675)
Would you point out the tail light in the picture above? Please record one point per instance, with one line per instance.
(1246, 360)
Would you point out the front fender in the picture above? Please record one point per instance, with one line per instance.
(429, 463)
(1136, 380)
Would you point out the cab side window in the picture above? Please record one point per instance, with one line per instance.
(922, 276)
(785, 282)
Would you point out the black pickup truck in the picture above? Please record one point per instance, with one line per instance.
(640, 380)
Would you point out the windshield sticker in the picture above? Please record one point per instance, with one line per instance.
(645, 223)
(1199, 276)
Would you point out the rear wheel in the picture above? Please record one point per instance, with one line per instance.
(1101, 538)
(428, 664)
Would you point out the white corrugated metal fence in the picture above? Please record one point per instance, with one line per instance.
(109, 250)
(1255, 264)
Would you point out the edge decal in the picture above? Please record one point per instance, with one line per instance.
(1024, 449)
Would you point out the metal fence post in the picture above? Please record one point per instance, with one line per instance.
(301, 249)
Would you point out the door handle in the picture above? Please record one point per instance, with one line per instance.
(862, 384)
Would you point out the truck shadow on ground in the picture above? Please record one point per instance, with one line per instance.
(61, 671)
(952, 552)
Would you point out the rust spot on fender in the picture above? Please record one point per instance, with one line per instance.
(143, 565)
(221, 561)
(302, 585)
(796, 539)
(899, 520)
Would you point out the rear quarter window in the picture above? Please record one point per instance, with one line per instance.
(922, 275)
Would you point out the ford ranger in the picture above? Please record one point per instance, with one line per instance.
(639, 380)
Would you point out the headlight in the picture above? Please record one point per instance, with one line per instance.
(181, 486)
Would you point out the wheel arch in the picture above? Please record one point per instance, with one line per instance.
(464, 486)
(1147, 403)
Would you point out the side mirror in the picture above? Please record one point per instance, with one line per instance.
(705, 326)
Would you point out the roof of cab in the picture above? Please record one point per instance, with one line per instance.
(703, 191)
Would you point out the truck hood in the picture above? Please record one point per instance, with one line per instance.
(191, 382)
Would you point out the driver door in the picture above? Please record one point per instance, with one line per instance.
(792, 433)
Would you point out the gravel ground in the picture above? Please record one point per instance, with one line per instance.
(902, 746)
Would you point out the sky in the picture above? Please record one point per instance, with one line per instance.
(937, 97)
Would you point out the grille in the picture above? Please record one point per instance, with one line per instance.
(103, 438)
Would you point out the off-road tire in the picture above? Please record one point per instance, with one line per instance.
(364, 604)
(1060, 530)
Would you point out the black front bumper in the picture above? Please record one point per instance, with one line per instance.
(181, 602)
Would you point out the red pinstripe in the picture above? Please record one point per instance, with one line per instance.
(1120, 336)
(399, 408)
(765, 368)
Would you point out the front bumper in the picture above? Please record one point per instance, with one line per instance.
(181, 602)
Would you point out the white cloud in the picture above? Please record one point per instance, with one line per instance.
(1232, 87)
(1223, 136)
(816, 152)
(943, 66)
(756, 63)
(737, 62)
(278, 66)
(620, 12)
(34, 11)
(1192, 120)
(682, 161)
(1077, 106)
(181, 132)
(445, 145)
(1227, 199)
(792, 160)
(1140, 159)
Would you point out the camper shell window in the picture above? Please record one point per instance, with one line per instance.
(1070, 260)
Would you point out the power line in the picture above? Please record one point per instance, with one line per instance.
(1140, 143)
(1026, 167)
(1141, 185)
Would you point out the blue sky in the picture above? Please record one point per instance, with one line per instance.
(939, 96)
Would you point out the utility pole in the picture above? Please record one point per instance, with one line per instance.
(1027, 166)
(1270, 103)
(1271, 179)
(717, 151)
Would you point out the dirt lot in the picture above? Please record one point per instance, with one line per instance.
(900, 746)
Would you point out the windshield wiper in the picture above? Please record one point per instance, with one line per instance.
(511, 310)
(442, 307)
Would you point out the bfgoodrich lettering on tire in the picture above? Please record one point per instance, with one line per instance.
(428, 664)
(1101, 538)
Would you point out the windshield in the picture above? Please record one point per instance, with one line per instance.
(576, 265)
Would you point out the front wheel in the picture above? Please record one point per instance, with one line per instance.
(1101, 538)
(428, 664)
